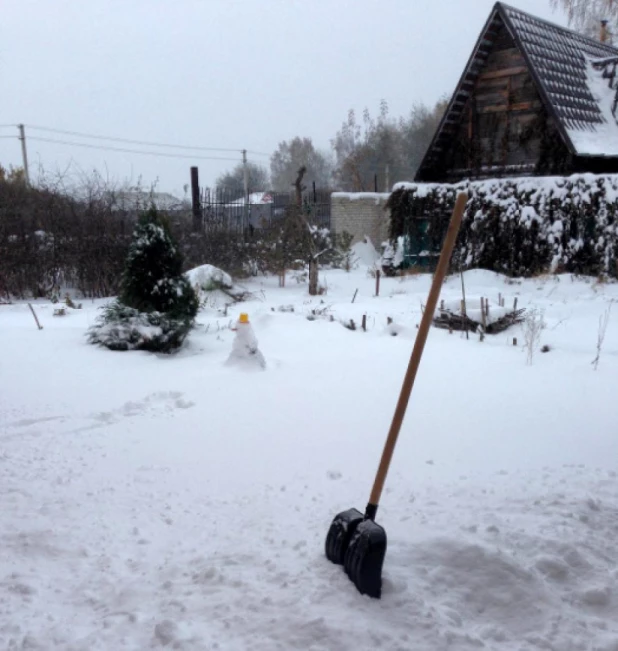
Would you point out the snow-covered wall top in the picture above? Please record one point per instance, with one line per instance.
(357, 196)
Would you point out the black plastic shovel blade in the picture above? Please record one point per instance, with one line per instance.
(365, 556)
(340, 533)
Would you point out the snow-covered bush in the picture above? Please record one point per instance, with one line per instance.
(207, 278)
(519, 226)
(157, 304)
(125, 328)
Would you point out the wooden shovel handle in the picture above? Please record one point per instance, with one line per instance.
(417, 351)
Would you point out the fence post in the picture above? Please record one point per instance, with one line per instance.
(195, 199)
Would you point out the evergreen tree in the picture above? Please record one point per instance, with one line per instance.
(152, 279)
(157, 305)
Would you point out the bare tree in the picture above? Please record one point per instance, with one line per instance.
(534, 325)
(383, 148)
(603, 322)
(586, 15)
(233, 180)
(293, 154)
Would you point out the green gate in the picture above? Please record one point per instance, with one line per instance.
(417, 247)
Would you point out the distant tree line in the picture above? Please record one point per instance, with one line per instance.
(382, 148)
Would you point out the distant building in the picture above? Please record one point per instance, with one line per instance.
(134, 199)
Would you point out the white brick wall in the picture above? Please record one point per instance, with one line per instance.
(360, 214)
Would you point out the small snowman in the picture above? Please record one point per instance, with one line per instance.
(245, 351)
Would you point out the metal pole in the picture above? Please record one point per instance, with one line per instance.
(24, 152)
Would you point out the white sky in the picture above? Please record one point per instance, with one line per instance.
(219, 73)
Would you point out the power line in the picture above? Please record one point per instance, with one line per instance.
(130, 151)
(257, 153)
(128, 141)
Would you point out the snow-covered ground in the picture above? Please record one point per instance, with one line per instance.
(175, 502)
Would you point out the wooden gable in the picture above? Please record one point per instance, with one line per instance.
(523, 106)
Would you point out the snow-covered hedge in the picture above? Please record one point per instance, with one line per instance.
(519, 226)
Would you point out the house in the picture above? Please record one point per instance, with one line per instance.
(534, 99)
(259, 209)
(131, 199)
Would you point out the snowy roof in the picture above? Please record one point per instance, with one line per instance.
(576, 94)
(573, 75)
(141, 198)
(255, 198)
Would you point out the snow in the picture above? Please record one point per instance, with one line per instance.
(245, 350)
(170, 501)
(365, 252)
(207, 277)
(358, 196)
(254, 198)
(494, 312)
(602, 139)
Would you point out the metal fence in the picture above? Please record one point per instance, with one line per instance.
(224, 210)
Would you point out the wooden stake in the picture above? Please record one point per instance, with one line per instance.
(515, 304)
(377, 282)
(36, 318)
(463, 303)
(417, 352)
(364, 323)
(514, 341)
(354, 297)
(483, 315)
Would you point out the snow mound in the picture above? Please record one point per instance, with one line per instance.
(208, 278)
(481, 585)
(365, 252)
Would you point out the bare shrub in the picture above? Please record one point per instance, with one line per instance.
(603, 322)
(534, 324)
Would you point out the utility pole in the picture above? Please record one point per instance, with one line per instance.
(196, 207)
(245, 170)
(245, 174)
(24, 152)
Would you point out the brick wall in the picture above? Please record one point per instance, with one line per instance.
(360, 214)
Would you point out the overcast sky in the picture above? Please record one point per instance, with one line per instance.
(228, 74)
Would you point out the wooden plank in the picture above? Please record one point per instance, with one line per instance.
(506, 72)
(505, 59)
(494, 97)
(491, 84)
(524, 106)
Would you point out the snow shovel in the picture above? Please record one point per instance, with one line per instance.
(356, 540)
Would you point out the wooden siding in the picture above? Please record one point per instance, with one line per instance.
(497, 132)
